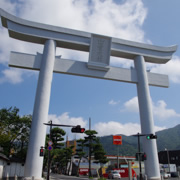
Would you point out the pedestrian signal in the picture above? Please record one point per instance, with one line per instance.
(41, 151)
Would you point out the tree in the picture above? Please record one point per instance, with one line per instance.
(89, 142)
(23, 137)
(99, 153)
(60, 161)
(80, 152)
(56, 136)
(68, 153)
(14, 132)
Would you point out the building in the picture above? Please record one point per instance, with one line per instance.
(169, 157)
(9, 168)
(71, 143)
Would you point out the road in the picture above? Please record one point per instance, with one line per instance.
(64, 177)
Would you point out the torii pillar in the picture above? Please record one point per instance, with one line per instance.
(100, 49)
(146, 118)
(33, 165)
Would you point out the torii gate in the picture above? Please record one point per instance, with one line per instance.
(100, 49)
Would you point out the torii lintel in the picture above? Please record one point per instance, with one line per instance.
(78, 40)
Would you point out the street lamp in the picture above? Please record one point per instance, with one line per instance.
(168, 158)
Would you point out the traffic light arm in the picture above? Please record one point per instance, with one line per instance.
(75, 129)
(148, 136)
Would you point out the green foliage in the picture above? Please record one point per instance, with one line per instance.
(95, 148)
(14, 132)
(99, 153)
(56, 137)
(80, 152)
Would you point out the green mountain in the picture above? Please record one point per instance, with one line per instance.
(168, 138)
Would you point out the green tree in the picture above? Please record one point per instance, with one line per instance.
(80, 152)
(23, 138)
(90, 140)
(60, 161)
(14, 131)
(56, 136)
(99, 153)
(68, 153)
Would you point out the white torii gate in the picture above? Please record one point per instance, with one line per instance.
(100, 49)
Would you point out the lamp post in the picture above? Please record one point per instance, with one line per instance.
(168, 158)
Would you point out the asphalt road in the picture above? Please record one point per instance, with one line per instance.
(64, 177)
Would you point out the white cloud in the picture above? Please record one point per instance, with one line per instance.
(13, 76)
(172, 69)
(112, 102)
(103, 128)
(113, 128)
(131, 105)
(65, 119)
(160, 110)
(103, 17)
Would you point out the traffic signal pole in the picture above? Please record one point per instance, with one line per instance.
(139, 157)
(77, 129)
(49, 153)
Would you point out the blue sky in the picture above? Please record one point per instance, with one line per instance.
(112, 106)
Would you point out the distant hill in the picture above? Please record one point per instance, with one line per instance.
(168, 138)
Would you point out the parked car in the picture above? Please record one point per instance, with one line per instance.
(165, 175)
(114, 175)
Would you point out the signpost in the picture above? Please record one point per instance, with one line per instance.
(117, 140)
(49, 148)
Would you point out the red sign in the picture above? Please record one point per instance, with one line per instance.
(83, 171)
(117, 140)
(124, 172)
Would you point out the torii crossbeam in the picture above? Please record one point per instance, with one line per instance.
(100, 49)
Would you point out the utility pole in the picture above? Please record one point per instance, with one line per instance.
(168, 159)
(90, 142)
(49, 152)
(139, 157)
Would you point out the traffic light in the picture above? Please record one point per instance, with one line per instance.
(151, 136)
(143, 156)
(77, 129)
(41, 151)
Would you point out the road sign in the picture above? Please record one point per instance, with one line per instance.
(49, 148)
(117, 140)
(50, 143)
